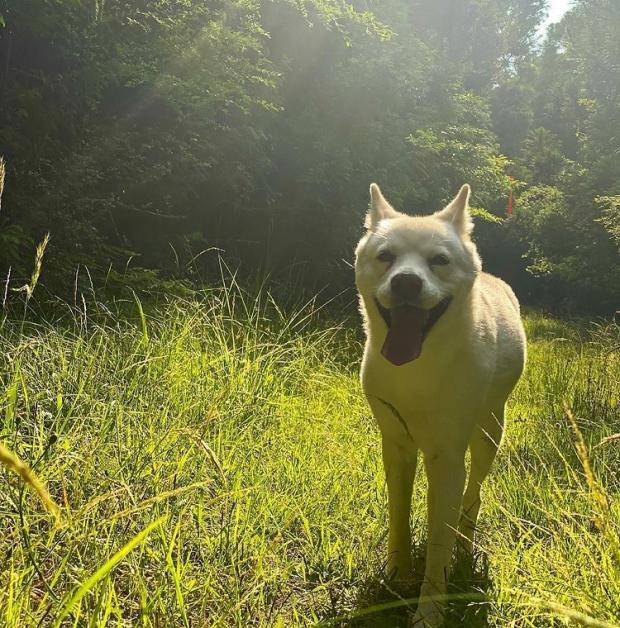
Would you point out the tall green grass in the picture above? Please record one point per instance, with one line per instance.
(217, 465)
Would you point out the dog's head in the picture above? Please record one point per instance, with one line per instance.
(410, 268)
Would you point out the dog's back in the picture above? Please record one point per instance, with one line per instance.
(496, 309)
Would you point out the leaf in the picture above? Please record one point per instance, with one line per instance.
(486, 215)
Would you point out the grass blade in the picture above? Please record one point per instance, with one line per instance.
(145, 332)
(105, 569)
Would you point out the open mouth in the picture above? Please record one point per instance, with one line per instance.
(408, 326)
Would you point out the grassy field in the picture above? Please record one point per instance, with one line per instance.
(216, 465)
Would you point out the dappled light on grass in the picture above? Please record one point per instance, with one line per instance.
(241, 431)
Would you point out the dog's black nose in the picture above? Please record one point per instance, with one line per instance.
(406, 285)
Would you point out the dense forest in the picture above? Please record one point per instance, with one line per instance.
(156, 140)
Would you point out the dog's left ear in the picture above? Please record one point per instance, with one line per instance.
(457, 212)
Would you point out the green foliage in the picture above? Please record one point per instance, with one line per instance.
(557, 242)
(541, 157)
(239, 430)
(610, 215)
(13, 241)
(541, 218)
(566, 120)
(461, 147)
(154, 132)
(227, 120)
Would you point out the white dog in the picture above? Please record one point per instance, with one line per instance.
(445, 347)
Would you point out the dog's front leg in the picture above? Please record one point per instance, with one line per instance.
(446, 478)
(400, 461)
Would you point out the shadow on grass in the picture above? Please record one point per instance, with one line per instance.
(379, 604)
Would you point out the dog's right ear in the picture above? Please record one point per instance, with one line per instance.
(379, 208)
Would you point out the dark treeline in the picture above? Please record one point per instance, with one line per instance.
(169, 133)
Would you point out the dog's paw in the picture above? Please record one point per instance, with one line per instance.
(427, 617)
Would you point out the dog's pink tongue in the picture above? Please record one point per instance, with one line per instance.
(404, 339)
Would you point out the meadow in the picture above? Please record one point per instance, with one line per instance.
(215, 464)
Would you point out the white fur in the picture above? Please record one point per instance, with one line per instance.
(449, 399)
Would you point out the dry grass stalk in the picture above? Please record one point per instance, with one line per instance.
(12, 462)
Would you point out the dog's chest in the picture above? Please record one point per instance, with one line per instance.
(426, 398)
(409, 391)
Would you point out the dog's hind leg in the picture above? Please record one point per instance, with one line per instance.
(483, 447)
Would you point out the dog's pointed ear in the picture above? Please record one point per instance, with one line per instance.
(457, 212)
(379, 208)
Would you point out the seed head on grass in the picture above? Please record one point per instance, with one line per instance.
(38, 264)
(582, 451)
(36, 271)
(609, 439)
(12, 462)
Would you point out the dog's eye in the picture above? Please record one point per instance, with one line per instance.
(439, 260)
(386, 256)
